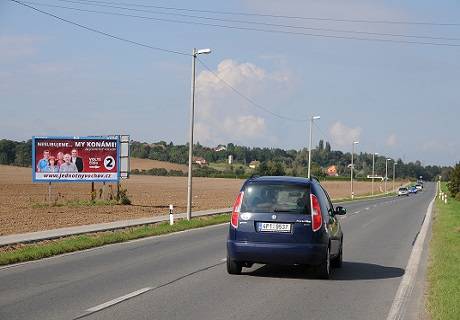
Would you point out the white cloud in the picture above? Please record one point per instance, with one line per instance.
(221, 115)
(13, 47)
(245, 126)
(342, 135)
(391, 140)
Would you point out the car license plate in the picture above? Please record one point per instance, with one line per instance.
(273, 227)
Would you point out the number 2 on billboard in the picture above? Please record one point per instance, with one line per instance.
(109, 162)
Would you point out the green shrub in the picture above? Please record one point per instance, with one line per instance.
(457, 197)
(123, 196)
(454, 181)
(175, 173)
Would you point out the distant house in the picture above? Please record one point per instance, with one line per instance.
(220, 147)
(200, 161)
(254, 164)
(332, 171)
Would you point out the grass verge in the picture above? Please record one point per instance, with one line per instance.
(44, 249)
(444, 266)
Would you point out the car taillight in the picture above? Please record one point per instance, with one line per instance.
(316, 217)
(236, 210)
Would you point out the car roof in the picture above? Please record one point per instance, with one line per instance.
(280, 180)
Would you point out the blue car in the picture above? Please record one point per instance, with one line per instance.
(284, 221)
(413, 189)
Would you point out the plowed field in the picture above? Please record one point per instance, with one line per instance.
(24, 205)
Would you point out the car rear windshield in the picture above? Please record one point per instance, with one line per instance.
(402, 189)
(276, 198)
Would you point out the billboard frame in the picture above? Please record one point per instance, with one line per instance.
(111, 137)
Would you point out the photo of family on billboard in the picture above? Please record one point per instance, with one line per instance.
(60, 163)
(75, 159)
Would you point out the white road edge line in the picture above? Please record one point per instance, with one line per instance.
(118, 300)
(407, 282)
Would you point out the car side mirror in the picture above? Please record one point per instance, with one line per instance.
(340, 211)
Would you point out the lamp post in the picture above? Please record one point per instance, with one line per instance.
(352, 167)
(394, 174)
(309, 148)
(386, 173)
(195, 53)
(373, 170)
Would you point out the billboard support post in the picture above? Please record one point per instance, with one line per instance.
(49, 194)
(93, 194)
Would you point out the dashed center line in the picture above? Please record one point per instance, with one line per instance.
(118, 300)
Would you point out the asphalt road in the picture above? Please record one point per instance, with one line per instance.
(183, 276)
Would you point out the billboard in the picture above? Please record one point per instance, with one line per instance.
(75, 159)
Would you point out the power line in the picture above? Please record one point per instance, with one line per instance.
(165, 50)
(252, 14)
(255, 104)
(96, 3)
(101, 32)
(254, 29)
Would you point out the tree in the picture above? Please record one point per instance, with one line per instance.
(262, 169)
(275, 168)
(321, 145)
(454, 183)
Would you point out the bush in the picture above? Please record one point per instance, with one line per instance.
(158, 172)
(457, 197)
(204, 172)
(175, 173)
(454, 183)
(123, 196)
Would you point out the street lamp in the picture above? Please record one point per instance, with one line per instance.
(373, 170)
(394, 171)
(352, 167)
(195, 53)
(309, 148)
(386, 172)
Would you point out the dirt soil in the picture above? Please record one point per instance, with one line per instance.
(24, 205)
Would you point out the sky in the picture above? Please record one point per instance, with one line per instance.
(398, 99)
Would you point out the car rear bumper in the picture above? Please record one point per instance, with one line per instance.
(276, 253)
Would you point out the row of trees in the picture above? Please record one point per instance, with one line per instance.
(16, 153)
(273, 161)
(292, 162)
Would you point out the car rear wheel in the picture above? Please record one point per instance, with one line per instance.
(337, 261)
(324, 269)
(233, 267)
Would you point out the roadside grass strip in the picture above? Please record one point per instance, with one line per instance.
(443, 301)
(48, 248)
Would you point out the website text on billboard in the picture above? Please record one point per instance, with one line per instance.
(70, 159)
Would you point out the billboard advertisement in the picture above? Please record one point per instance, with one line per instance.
(75, 159)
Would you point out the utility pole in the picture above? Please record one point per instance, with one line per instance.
(394, 171)
(352, 167)
(195, 52)
(386, 173)
(309, 147)
(373, 170)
